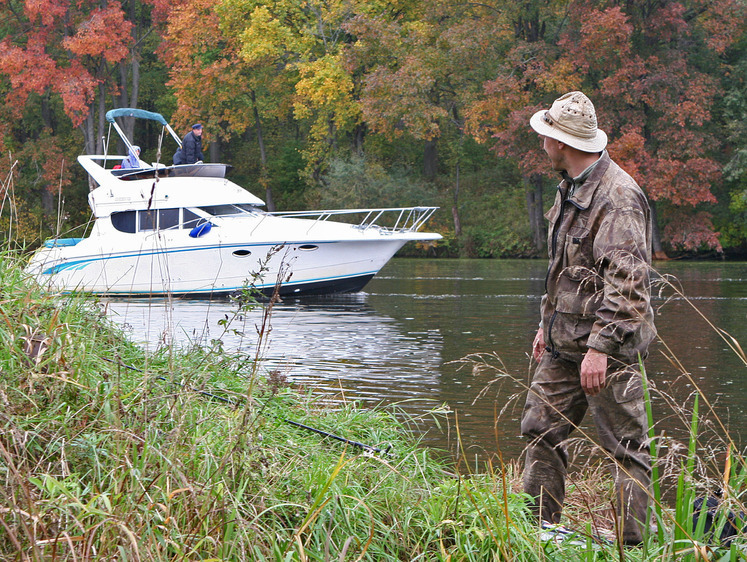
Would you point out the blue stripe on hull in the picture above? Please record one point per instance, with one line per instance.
(83, 262)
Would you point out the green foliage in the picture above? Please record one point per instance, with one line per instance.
(359, 182)
(494, 215)
(732, 219)
(284, 174)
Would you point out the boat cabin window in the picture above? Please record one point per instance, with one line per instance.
(124, 221)
(223, 210)
(147, 220)
(191, 220)
(163, 219)
(168, 218)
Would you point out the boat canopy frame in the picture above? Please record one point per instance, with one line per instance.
(112, 114)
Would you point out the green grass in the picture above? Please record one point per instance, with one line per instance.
(109, 453)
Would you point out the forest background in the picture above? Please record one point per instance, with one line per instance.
(352, 103)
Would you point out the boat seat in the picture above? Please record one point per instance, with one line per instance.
(56, 242)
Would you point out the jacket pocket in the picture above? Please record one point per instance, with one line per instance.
(627, 386)
(582, 296)
(578, 248)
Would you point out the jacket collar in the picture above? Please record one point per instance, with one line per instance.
(584, 193)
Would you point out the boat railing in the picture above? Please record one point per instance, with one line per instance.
(388, 220)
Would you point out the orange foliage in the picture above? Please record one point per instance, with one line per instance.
(603, 40)
(45, 11)
(630, 153)
(691, 232)
(30, 70)
(90, 35)
(636, 63)
(106, 33)
(422, 78)
(209, 88)
(77, 87)
(668, 23)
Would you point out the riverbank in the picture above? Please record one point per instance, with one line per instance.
(112, 453)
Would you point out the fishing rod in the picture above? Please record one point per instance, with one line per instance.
(203, 392)
(369, 448)
(338, 438)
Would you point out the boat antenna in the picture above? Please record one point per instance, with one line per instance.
(106, 141)
(160, 145)
(60, 203)
(158, 151)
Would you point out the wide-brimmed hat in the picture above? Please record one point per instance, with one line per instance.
(573, 121)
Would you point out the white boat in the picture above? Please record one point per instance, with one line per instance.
(188, 230)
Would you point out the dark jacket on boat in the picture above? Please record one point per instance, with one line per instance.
(191, 150)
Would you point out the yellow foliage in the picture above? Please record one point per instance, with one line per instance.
(265, 37)
(325, 84)
(563, 76)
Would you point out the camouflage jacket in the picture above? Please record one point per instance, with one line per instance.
(597, 289)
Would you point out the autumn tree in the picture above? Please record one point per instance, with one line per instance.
(206, 72)
(652, 70)
(531, 74)
(421, 68)
(68, 50)
(66, 64)
(245, 63)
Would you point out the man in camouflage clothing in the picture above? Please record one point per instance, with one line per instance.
(596, 318)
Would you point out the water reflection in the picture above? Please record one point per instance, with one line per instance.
(338, 345)
(400, 342)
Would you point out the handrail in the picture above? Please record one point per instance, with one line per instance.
(408, 219)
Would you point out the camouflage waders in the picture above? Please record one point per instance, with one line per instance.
(555, 406)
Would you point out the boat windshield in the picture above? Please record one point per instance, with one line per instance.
(232, 209)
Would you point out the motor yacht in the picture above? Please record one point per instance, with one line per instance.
(188, 230)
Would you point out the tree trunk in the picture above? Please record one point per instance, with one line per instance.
(134, 59)
(358, 138)
(89, 142)
(455, 206)
(47, 201)
(89, 136)
(128, 94)
(263, 174)
(93, 128)
(214, 150)
(430, 159)
(535, 210)
(657, 248)
(46, 112)
(101, 120)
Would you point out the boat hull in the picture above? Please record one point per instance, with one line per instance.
(215, 269)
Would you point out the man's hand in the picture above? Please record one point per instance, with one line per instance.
(593, 371)
(538, 346)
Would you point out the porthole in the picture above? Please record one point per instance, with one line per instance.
(242, 253)
(308, 247)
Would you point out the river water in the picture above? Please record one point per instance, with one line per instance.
(447, 343)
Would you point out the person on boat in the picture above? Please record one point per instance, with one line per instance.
(191, 150)
(597, 320)
(133, 159)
